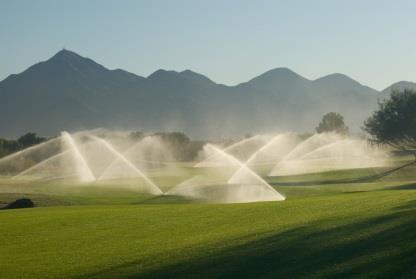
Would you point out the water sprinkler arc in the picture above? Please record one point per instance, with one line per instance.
(120, 156)
(27, 149)
(39, 164)
(254, 155)
(298, 147)
(107, 168)
(251, 172)
(87, 174)
(228, 148)
(324, 147)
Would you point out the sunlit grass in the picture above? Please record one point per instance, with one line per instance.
(109, 230)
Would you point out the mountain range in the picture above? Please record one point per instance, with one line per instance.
(71, 92)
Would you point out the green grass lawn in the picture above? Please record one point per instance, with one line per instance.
(355, 230)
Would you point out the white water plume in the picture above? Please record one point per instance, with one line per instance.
(304, 147)
(271, 152)
(226, 175)
(344, 153)
(120, 169)
(38, 170)
(249, 187)
(21, 160)
(241, 150)
(150, 153)
(80, 163)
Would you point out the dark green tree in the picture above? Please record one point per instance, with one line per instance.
(175, 138)
(182, 147)
(29, 139)
(394, 122)
(332, 122)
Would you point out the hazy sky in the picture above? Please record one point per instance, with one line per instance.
(229, 41)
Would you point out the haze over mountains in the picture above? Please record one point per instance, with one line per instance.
(70, 92)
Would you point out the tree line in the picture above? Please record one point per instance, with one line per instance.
(8, 146)
(181, 146)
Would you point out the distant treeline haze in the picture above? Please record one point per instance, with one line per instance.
(181, 146)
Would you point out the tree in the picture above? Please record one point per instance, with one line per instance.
(394, 122)
(332, 122)
(29, 139)
(182, 147)
(175, 138)
(8, 146)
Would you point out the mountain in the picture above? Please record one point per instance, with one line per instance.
(344, 84)
(67, 90)
(71, 92)
(399, 86)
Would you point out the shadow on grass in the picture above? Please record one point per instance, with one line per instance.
(379, 247)
(409, 186)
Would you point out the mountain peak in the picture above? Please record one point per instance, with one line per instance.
(188, 72)
(277, 76)
(67, 59)
(338, 77)
(65, 54)
(161, 74)
(174, 76)
(282, 71)
(195, 76)
(400, 85)
(338, 81)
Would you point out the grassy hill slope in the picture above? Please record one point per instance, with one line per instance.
(358, 234)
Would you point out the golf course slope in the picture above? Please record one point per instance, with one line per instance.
(342, 234)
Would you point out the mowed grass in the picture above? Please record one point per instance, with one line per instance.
(356, 230)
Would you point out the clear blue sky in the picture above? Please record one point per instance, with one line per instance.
(229, 41)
